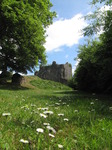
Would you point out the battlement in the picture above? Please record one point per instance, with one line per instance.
(55, 72)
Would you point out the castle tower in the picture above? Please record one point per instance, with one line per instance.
(59, 73)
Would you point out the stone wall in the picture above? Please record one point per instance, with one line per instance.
(59, 73)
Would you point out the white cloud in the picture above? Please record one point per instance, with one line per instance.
(64, 32)
(73, 71)
(58, 50)
(75, 66)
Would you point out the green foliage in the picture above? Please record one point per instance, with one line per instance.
(22, 33)
(96, 19)
(94, 72)
(107, 2)
(7, 74)
(85, 74)
(71, 83)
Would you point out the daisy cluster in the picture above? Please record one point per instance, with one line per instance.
(44, 114)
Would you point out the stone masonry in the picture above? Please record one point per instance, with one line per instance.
(59, 73)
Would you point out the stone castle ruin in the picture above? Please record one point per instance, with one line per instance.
(59, 73)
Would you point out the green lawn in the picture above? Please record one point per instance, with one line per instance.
(80, 121)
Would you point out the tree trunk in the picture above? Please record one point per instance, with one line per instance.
(4, 71)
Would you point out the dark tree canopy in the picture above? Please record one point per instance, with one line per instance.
(94, 71)
(22, 33)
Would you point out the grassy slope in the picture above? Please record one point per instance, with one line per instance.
(89, 125)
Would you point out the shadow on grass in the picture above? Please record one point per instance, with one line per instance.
(75, 93)
(65, 96)
(65, 92)
(69, 92)
(84, 94)
(9, 86)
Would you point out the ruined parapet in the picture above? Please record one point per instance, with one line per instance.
(59, 73)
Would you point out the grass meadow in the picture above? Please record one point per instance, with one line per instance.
(45, 115)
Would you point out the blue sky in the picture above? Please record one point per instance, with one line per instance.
(64, 35)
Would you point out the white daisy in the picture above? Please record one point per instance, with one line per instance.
(51, 135)
(92, 103)
(6, 114)
(60, 146)
(65, 119)
(51, 129)
(40, 108)
(60, 114)
(48, 112)
(42, 115)
(46, 124)
(75, 111)
(24, 141)
(39, 130)
(57, 104)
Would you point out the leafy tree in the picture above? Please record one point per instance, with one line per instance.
(96, 19)
(106, 2)
(86, 74)
(94, 71)
(22, 33)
